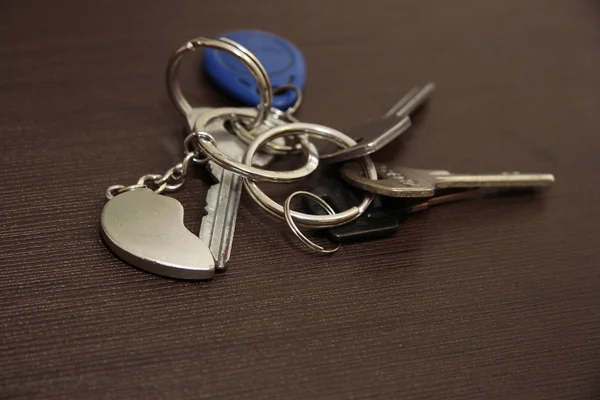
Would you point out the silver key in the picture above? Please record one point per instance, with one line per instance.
(374, 134)
(223, 197)
(398, 181)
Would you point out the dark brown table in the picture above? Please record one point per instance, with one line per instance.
(496, 298)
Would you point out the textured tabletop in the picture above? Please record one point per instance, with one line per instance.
(489, 299)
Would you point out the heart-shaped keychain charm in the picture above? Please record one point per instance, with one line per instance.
(146, 230)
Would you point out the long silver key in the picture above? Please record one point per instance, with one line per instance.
(223, 197)
(374, 134)
(398, 181)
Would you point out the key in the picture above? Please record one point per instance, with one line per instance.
(382, 219)
(398, 181)
(223, 197)
(374, 223)
(374, 134)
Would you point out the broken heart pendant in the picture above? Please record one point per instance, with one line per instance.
(146, 230)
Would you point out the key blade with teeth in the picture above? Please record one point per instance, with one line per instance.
(222, 202)
(223, 197)
(398, 181)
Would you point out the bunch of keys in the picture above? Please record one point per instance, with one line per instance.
(145, 228)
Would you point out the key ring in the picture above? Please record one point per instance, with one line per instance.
(234, 114)
(246, 170)
(290, 221)
(294, 107)
(272, 148)
(241, 53)
(288, 115)
(315, 221)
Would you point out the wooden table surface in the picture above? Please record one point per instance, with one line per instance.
(498, 298)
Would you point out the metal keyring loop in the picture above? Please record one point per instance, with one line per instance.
(113, 190)
(209, 116)
(246, 169)
(315, 221)
(241, 53)
(132, 187)
(260, 174)
(192, 153)
(294, 107)
(272, 148)
(152, 178)
(290, 221)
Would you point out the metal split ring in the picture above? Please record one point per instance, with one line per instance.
(290, 221)
(238, 51)
(294, 107)
(191, 150)
(270, 147)
(115, 190)
(234, 115)
(246, 170)
(315, 221)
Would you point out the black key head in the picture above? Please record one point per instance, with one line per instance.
(375, 223)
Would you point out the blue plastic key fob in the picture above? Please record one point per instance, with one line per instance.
(282, 60)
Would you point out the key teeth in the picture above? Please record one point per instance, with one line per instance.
(205, 209)
(213, 170)
(209, 212)
(218, 224)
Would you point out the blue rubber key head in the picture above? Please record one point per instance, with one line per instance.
(282, 60)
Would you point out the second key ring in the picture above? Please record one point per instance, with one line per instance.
(315, 221)
(241, 53)
(270, 147)
(207, 145)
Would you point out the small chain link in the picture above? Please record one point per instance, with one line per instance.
(191, 147)
(174, 178)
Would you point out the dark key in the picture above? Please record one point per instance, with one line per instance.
(383, 217)
(375, 223)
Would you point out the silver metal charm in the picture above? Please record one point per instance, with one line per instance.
(146, 230)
